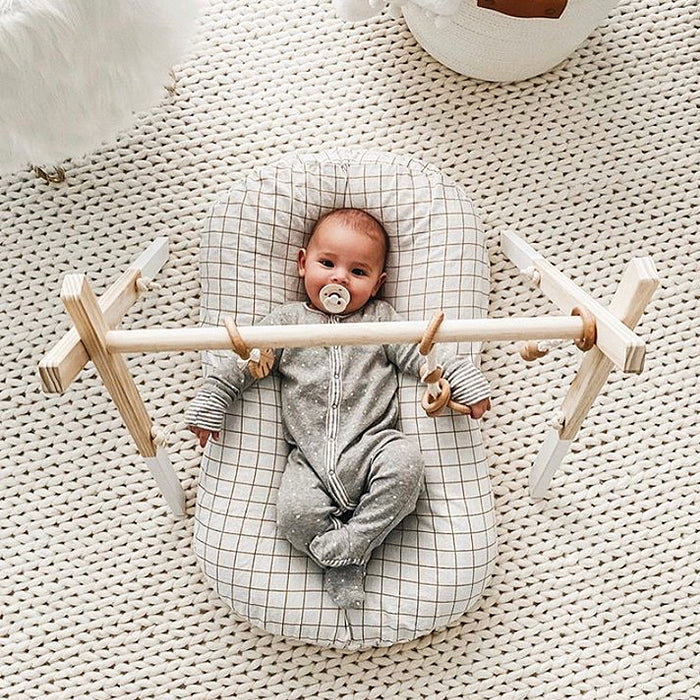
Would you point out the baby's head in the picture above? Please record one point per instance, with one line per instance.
(348, 247)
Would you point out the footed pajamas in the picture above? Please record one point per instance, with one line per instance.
(350, 477)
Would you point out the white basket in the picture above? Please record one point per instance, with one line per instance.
(485, 44)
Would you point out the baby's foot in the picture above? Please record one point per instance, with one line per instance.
(337, 548)
(345, 585)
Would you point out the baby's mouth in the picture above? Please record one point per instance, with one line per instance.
(334, 298)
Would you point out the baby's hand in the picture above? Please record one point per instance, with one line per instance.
(203, 434)
(479, 408)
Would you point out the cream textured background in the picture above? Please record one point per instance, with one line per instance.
(595, 592)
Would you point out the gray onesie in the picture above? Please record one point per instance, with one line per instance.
(349, 468)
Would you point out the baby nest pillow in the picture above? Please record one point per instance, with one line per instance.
(435, 565)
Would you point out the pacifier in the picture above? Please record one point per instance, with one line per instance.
(334, 298)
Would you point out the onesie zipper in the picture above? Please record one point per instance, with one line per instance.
(332, 422)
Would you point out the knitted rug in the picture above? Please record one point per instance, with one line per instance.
(595, 592)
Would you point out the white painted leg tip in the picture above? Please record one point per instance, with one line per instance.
(537, 493)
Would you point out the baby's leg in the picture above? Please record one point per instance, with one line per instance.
(393, 484)
(304, 511)
(346, 585)
(304, 507)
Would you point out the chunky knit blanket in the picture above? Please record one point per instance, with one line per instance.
(595, 592)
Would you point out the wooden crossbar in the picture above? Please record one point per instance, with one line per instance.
(316, 335)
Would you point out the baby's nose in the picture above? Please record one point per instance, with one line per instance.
(339, 276)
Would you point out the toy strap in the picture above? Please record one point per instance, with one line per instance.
(438, 394)
(534, 349)
(259, 361)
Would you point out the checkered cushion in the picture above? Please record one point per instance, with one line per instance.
(434, 566)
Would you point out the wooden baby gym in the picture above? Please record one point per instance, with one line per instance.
(603, 333)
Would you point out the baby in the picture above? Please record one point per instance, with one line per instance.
(350, 476)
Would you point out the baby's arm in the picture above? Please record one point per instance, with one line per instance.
(205, 414)
(469, 386)
(207, 411)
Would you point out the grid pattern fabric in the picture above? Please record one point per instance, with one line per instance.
(435, 565)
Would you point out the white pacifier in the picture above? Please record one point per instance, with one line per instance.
(334, 298)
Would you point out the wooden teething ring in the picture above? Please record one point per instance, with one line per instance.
(433, 405)
(428, 339)
(258, 369)
(239, 346)
(589, 329)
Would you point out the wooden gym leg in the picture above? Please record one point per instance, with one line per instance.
(67, 358)
(613, 338)
(637, 287)
(92, 328)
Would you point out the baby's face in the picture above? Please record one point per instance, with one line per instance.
(338, 254)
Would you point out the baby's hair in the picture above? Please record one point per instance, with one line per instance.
(358, 220)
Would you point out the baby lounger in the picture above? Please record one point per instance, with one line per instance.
(435, 565)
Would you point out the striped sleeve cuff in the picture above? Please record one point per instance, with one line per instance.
(207, 410)
(467, 383)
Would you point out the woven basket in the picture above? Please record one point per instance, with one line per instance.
(489, 45)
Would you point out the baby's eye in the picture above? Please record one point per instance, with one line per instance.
(359, 272)
(327, 263)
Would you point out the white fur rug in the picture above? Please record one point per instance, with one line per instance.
(596, 590)
(74, 71)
